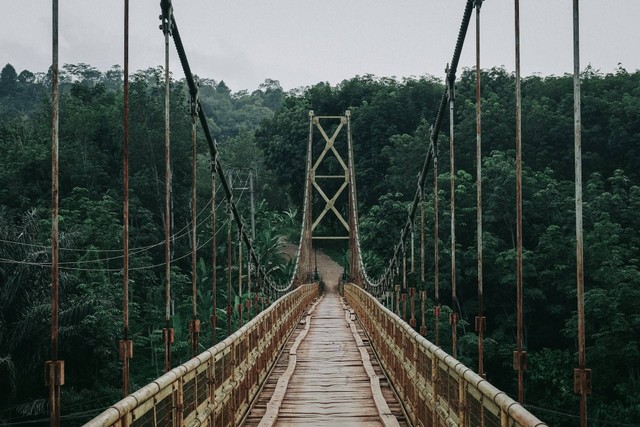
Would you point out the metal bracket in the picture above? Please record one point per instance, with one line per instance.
(168, 332)
(194, 326)
(453, 318)
(519, 360)
(481, 323)
(167, 14)
(125, 348)
(451, 92)
(194, 101)
(214, 322)
(55, 369)
(582, 381)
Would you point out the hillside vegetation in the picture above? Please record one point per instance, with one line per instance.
(267, 130)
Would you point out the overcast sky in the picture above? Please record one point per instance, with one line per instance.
(301, 42)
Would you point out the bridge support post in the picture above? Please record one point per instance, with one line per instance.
(125, 348)
(462, 401)
(54, 378)
(412, 294)
(423, 328)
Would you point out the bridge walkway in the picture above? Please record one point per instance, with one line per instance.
(329, 384)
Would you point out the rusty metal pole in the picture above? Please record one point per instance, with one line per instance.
(422, 240)
(168, 331)
(436, 239)
(413, 253)
(214, 258)
(581, 375)
(54, 368)
(412, 289)
(404, 282)
(229, 296)
(125, 345)
(423, 284)
(248, 302)
(452, 175)
(480, 319)
(194, 326)
(519, 355)
(239, 308)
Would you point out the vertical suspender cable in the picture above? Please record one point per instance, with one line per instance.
(229, 296)
(404, 282)
(126, 345)
(422, 266)
(412, 289)
(423, 284)
(248, 302)
(239, 308)
(436, 243)
(582, 376)
(253, 239)
(214, 258)
(519, 355)
(194, 327)
(480, 320)
(413, 252)
(168, 332)
(436, 262)
(452, 181)
(55, 373)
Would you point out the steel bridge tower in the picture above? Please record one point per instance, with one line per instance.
(325, 168)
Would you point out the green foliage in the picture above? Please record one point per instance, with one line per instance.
(390, 124)
(266, 130)
(90, 221)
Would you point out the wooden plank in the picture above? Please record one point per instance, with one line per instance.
(336, 381)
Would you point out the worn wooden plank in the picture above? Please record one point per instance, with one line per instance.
(336, 381)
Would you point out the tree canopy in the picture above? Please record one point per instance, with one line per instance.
(267, 130)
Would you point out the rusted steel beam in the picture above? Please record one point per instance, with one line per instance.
(480, 319)
(168, 332)
(422, 241)
(519, 354)
(436, 240)
(423, 327)
(582, 376)
(214, 257)
(452, 181)
(125, 345)
(194, 326)
(239, 308)
(229, 249)
(54, 368)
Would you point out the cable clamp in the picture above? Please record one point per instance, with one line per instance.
(125, 348)
(194, 101)
(54, 370)
(519, 360)
(167, 13)
(582, 381)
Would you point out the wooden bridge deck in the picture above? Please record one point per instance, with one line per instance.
(332, 382)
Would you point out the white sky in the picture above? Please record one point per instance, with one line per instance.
(301, 42)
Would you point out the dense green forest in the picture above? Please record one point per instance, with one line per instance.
(267, 130)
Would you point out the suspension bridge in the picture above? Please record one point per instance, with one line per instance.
(351, 351)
